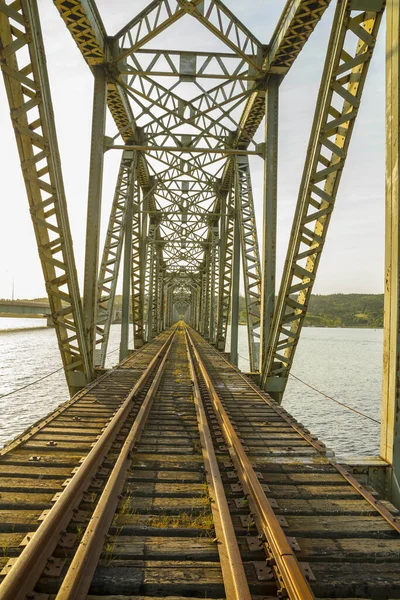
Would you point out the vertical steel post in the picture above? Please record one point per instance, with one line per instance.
(390, 429)
(165, 306)
(251, 262)
(160, 293)
(235, 284)
(137, 270)
(151, 275)
(207, 295)
(156, 289)
(203, 300)
(94, 204)
(192, 308)
(171, 308)
(198, 309)
(269, 214)
(221, 252)
(150, 265)
(126, 283)
(143, 245)
(213, 279)
(112, 252)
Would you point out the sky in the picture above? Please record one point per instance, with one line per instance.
(352, 260)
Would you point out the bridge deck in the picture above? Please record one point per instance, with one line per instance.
(166, 528)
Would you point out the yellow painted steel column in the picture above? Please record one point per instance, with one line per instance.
(390, 428)
(269, 215)
(94, 205)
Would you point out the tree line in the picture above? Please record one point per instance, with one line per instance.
(333, 310)
(340, 310)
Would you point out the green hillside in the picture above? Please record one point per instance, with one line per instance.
(334, 310)
(341, 310)
(346, 310)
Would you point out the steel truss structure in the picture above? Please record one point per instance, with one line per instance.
(350, 50)
(183, 217)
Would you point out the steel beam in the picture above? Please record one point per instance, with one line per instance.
(137, 272)
(269, 215)
(149, 278)
(214, 268)
(206, 296)
(187, 150)
(151, 21)
(155, 308)
(85, 25)
(390, 416)
(350, 49)
(94, 205)
(126, 282)
(225, 269)
(111, 258)
(250, 257)
(84, 22)
(26, 80)
(235, 286)
(298, 21)
(140, 334)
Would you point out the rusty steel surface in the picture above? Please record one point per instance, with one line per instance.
(236, 586)
(79, 576)
(295, 582)
(320, 447)
(33, 559)
(343, 509)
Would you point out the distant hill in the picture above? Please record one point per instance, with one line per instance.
(341, 310)
(333, 310)
(346, 310)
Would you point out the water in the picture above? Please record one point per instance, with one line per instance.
(343, 363)
(18, 324)
(27, 354)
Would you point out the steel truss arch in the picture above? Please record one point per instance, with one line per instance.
(22, 60)
(125, 192)
(338, 102)
(250, 256)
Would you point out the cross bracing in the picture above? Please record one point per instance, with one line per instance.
(183, 227)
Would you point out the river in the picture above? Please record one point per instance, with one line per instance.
(343, 363)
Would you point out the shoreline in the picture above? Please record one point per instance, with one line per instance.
(19, 329)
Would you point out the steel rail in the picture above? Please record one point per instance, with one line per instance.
(33, 429)
(79, 576)
(321, 448)
(296, 584)
(31, 562)
(234, 576)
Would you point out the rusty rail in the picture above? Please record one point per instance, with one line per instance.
(375, 503)
(33, 559)
(276, 542)
(80, 573)
(235, 581)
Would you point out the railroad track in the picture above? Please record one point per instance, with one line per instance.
(197, 486)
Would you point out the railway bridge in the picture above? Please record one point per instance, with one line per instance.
(173, 474)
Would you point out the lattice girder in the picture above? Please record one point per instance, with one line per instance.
(23, 64)
(338, 102)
